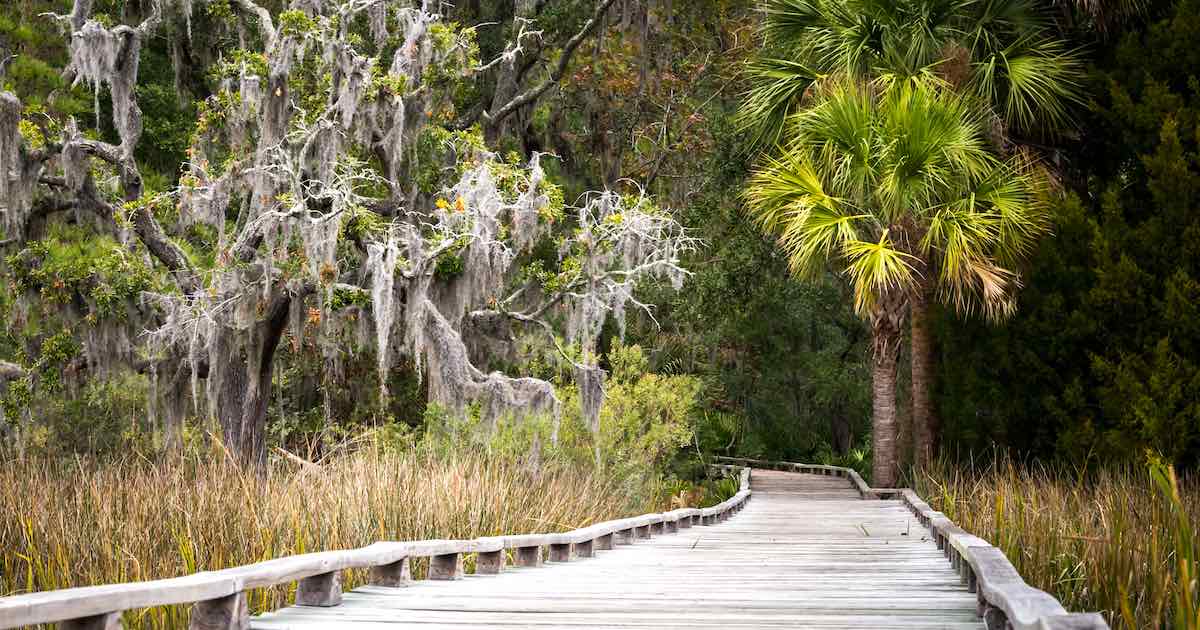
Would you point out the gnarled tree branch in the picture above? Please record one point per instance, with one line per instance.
(11, 371)
(556, 74)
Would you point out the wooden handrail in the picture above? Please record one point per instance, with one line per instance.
(219, 597)
(1004, 599)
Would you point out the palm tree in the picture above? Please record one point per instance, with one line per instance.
(1002, 55)
(877, 178)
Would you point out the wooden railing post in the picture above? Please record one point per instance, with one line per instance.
(489, 562)
(225, 613)
(324, 590)
(585, 549)
(560, 552)
(642, 531)
(626, 536)
(529, 556)
(393, 575)
(604, 543)
(446, 566)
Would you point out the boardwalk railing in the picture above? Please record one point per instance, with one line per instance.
(1005, 600)
(219, 597)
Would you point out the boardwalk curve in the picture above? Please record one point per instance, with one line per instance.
(807, 552)
(816, 548)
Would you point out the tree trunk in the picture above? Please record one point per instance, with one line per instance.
(840, 436)
(883, 430)
(924, 416)
(244, 390)
(885, 340)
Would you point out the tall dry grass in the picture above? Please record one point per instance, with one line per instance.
(75, 523)
(1120, 541)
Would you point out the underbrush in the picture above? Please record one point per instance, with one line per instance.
(1124, 542)
(66, 523)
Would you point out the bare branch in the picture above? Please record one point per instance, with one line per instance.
(556, 74)
(514, 49)
(264, 19)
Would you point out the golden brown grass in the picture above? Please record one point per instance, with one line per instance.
(75, 523)
(1117, 541)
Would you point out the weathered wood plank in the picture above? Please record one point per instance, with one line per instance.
(807, 552)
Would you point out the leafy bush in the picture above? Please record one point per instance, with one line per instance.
(645, 420)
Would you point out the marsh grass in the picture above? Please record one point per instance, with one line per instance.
(1121, 541)
(74, 523)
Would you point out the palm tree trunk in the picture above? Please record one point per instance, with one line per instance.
(924, 417)
(886, 341)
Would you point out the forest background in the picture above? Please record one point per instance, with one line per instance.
(1095, 371)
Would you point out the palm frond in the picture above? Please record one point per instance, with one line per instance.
(1033, 84)
(787, 198)
(875, 268)
(778, 86)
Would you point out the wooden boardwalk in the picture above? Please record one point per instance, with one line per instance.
(807, 552)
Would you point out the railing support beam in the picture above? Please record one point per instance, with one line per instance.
(392, 575)
(560, 552)
(489, 562)
(323, 590)
(225, 613)
(447, 566)
(529, 556)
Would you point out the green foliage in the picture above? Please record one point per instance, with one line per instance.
(1099, 363)
(437, 148)
(645, 420)
(881, 180)
(362, 225)
(296, 23)
(220, 9)
(719, 490)
(239, 61)
(108, 416)
(342, 297)
(72, 263)
(450, 262)
(1008, 58)
(34, 75)
(783, 362)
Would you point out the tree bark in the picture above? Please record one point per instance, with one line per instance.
(924, 416)
(841, 437)
(886, 337)
(244, 390)
(885, 470)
